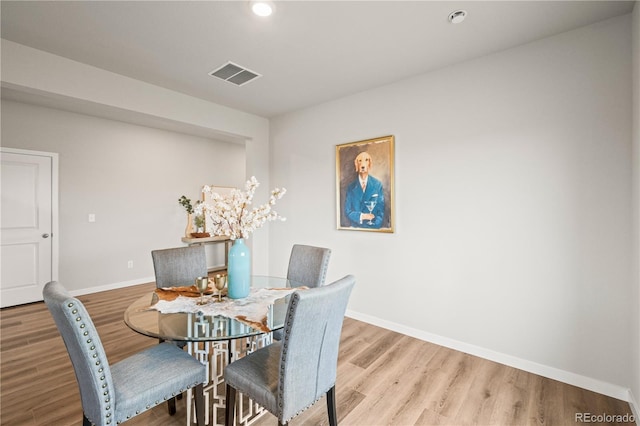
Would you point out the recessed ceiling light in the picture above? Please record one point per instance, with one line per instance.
(457, 16)
(262, 8)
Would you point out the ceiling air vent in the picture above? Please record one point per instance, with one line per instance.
(234, 73)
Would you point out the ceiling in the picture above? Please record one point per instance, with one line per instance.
(308, 52)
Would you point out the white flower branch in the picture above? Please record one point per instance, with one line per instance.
(231, 214)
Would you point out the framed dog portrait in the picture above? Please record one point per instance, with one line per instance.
(364, 185)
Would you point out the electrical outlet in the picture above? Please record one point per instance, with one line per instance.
(130, 264)
(92, 217)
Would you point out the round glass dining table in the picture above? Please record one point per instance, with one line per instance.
(197, 327)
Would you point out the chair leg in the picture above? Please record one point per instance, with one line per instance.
(85, 420)
(171, 406)
(331, 406)
(230, 406)
(199, 400)
(171, 403)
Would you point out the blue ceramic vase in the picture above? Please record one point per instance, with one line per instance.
(239, 270)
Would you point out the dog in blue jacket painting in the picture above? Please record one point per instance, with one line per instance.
(364, 202)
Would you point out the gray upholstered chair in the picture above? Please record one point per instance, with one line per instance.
(179, 266)
(289, 376)
(112, 394)
(307, 266)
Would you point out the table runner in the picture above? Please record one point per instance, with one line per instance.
(251, 310)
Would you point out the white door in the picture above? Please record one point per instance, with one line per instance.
(27, 226)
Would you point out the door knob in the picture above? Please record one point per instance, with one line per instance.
(45, 235)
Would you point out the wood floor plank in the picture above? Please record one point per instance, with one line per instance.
(482, 394)
(371, 352)
(512, 394)
(409, 409)
(430, 418)
(405, 402)
(402, 354)
(384, 378)
(546, 407)
(457, 381)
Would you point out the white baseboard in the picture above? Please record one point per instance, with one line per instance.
(578, 380)
(113, 286)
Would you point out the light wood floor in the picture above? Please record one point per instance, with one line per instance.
(384, 378)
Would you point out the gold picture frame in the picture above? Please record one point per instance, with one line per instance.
(365, 185)
(206, 198)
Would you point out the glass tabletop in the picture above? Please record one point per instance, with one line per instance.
(196, 327)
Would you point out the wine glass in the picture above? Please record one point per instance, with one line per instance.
(370, 205)
(202, 284)
(220, 281)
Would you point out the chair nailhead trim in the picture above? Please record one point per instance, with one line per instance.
(287, 330)
(100, 370)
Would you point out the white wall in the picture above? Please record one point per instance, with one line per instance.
(130, 177)
(79, 87)
(635, 299)
(513, 177)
